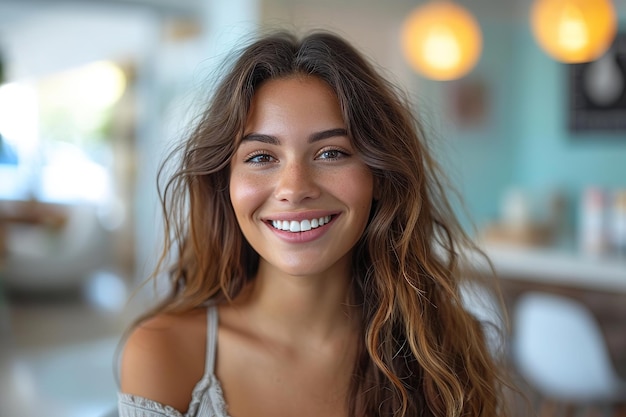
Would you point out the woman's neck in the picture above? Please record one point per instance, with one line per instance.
(299, 308)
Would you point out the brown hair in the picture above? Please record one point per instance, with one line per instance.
(423, 354)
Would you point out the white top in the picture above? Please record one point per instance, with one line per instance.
(207, 399)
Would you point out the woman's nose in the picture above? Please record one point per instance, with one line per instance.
(296, 182)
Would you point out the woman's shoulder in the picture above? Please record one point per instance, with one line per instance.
(163, 358)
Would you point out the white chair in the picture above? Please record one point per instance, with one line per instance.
(559, 349)
(41, 259)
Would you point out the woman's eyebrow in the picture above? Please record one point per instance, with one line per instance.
(269, 139)
(325, 134)
(314, 137)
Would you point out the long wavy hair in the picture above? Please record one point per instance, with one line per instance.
(422, 353)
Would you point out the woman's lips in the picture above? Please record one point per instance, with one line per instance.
(301, 227)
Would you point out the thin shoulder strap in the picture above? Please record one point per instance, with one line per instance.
(211, 339)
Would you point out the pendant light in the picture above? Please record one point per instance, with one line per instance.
(574, 31)
(441, 40)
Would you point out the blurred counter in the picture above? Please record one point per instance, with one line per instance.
(558, 267)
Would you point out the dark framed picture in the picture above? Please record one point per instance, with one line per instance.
(597, 92)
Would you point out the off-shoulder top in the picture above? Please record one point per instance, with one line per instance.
(207, 399)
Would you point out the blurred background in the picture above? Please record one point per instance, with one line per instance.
(94, 92)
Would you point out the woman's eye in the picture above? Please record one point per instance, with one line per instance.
(331, 154)
(262, 158)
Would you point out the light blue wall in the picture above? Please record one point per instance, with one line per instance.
(480, 160)
(526, 142)
(549, 156)
(548, 152)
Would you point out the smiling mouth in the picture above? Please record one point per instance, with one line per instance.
(295, 226)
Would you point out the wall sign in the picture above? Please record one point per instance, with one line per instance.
(597, 92)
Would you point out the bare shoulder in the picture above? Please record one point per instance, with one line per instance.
(163, 358)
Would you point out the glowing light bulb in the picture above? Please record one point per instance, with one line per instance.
(574, 31)
(441, 40)
(441, 49)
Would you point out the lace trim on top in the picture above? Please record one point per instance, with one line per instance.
(137, 402)
(208, 386)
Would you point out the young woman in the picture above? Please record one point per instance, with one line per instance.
(315, 255)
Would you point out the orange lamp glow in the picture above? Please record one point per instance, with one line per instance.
(441, 40)
(574, 31)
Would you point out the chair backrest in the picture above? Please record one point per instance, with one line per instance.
(560, 350)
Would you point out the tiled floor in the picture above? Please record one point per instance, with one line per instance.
(57, 360)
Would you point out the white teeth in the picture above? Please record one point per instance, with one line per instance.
(303, 226)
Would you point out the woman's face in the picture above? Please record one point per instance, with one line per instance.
(301, 194)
